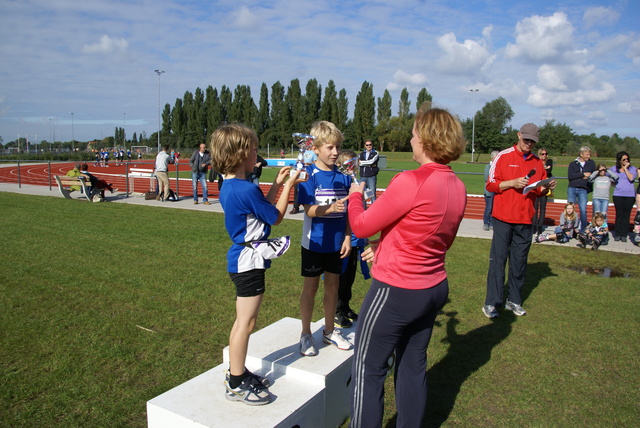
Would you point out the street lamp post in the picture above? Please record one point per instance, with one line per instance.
(73, 144)
(49, 134)
(473, 131)
(159, 73)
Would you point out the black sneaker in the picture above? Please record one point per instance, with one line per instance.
(342, 320)
(351, 315)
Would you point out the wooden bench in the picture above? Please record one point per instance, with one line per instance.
(65, 183)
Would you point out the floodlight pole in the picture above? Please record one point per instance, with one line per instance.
(73, 145)
(473, 130)
(159, 73)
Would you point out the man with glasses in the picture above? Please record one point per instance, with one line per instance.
(369, 167)
(512, 170)
(578, 174)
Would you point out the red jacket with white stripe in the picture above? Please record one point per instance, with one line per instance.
(510, 205)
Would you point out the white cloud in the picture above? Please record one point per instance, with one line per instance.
(245, 19)
(106, 45)
(569, 85)
(628, 107)
(597, 118)
(599, 15)
(469, 56)
(402, 79)
(540, 38)
(634, 52)
(580, 124)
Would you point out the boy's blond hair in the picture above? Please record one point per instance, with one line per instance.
(326, 133)
(230, 146)
(345, 155)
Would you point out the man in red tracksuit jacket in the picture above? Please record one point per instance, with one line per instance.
(512, 219)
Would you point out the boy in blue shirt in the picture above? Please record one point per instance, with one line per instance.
(249, 216)
(326, 238)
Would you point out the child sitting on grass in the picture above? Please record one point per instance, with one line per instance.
(248, 217)
(569, 220)
(596, 232)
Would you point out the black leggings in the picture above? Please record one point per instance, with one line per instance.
(623, 205)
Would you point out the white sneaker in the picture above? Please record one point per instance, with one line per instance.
(335, 338)
(308, 345)
(515, 308)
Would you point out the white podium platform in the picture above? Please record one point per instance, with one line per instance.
(309, 392)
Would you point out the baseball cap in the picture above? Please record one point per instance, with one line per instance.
(530, 131)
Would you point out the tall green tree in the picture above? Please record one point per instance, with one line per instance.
(280, 135)
(296, 103)
(555, 136)
(167, 118)
(263, 120)
(342, 113)
(364, 113)
(313, 97)
(491, 126)
(423, 97)
(396, 135)
(384, 107)
(329, 106)
(225, 103)
(404, 105)
(243, 108)
(178, 122)
(213, 110)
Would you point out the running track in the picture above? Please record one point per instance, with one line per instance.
(39, 174)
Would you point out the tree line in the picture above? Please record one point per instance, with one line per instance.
(281, 111)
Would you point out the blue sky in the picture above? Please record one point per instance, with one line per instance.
(573, 61)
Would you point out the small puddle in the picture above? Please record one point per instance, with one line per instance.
(603, 272)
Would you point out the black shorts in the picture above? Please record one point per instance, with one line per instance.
(315, 264)
(250, 283)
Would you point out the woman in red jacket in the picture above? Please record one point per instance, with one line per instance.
(418, 217)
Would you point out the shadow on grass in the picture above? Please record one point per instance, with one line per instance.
(466, 355)
(536, 272)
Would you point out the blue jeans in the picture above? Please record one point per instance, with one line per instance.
(579, 195)
(488, 208)
(371, 183)
(600, 206)
(202, 177)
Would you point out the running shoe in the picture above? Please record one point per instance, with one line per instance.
(308, 345)
(490, 311)
(257, 380)
(342, 320)
(247, 393)
(515, 308)
(335, 338)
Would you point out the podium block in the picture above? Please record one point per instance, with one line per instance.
(200, 402)
(309, 392)
(276, 349)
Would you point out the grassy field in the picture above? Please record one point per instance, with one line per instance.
(82, 284)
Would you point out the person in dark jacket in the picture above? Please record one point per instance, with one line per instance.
(578, 191)
(254, 176)
(369, 167)
(199, 162)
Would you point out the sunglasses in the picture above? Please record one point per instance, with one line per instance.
(543, 154)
